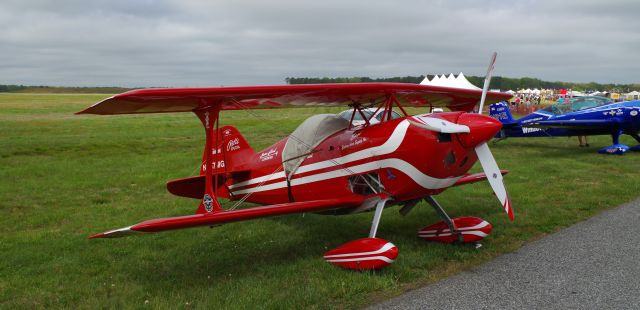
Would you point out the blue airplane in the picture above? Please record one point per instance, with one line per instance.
(581, 116)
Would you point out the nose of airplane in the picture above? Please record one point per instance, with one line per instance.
(481, 129)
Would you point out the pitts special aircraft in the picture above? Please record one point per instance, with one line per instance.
(581, 116)
(327, 165)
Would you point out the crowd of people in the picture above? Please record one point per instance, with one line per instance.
(527, 99)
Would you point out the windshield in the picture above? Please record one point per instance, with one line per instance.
(358, 117)
(394, 115)
(582, 103)
(576, 104)
(558, 108)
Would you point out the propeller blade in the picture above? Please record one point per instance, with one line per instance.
(487, 81)
(494, 177)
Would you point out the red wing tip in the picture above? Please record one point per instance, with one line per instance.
(116, 233)
(85, 111)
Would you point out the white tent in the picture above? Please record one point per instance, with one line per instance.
(450, 81)
(634, 95)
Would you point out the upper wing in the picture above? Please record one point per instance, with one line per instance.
(575, 124)
(246, 97)
(208, 219)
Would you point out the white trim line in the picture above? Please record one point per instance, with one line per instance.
(481, 225)
(384, 248)
(412, 172)
(387, 147)
(344, 260)
(473, 232)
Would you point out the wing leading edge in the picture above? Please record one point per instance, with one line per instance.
(164, 100)
(208, 219)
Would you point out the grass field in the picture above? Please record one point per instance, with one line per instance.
(64, 177)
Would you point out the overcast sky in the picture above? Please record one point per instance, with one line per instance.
(211, 43)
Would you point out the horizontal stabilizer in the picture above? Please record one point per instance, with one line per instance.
(208, 219)
(193, 187)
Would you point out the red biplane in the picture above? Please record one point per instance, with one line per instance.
(328, 165)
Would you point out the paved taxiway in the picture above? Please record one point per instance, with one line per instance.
(594, 264)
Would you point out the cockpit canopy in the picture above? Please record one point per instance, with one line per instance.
(307, 136)
(577, 104)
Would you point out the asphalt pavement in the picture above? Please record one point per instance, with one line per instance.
(594, 264)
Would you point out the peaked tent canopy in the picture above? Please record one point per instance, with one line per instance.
(450, 81)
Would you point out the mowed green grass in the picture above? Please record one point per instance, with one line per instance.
(65, 177)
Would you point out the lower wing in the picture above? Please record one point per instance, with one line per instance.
(209, 219)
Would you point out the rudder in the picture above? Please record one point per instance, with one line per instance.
(500, 111)
(232, 154)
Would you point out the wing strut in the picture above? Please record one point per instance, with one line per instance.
(388, 107)
(209, 117)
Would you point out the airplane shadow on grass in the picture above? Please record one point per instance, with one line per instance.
(230, 250)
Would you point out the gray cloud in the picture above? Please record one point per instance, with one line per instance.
(207, 43)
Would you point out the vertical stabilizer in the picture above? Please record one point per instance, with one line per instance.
(234, 152)
(500, 111)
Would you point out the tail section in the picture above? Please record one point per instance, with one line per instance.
(232, 154)
(500, 111)
(193, 187)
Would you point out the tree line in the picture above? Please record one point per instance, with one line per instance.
(61, 90)
(497, 82)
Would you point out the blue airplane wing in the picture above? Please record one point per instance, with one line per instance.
(575, 124)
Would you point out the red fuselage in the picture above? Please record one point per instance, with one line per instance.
(402, 160)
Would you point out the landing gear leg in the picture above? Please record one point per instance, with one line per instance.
(376, 217)
(366, 253)
(445, 217)
(616, 148)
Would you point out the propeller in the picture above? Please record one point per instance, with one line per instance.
(487, 80)
(485, 157)
(494, 177)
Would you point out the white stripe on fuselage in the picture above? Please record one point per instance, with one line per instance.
(416, 175)
(387, 147)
